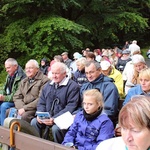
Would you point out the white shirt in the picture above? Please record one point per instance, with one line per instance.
(127, 75)
(116, 143)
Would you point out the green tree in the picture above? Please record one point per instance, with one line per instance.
(37, 28)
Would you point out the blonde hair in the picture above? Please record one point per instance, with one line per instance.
(81, 61)
(96, 95)
(145, 73)
(136, 111)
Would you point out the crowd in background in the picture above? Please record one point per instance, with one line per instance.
(89, 86)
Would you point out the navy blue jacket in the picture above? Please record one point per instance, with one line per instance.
(109, 92)
(80, 77)
(59, 100)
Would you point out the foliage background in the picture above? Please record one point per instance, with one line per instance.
(44, 28)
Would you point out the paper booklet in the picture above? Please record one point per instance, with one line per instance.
(13, 113)
(64, 121)
(43, 115)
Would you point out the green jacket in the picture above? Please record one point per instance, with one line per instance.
(20, 75)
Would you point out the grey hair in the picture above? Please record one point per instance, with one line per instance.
(35, 62)
(12, 61)
(61, 66)
(96, 64)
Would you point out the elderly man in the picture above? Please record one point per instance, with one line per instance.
(106, 86)
(27, 95)
(66, 59)
(15, 75)
(58, 96)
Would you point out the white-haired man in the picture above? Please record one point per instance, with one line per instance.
(27, 95)
(58, 96)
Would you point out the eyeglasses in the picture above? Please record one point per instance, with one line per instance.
(90, 72)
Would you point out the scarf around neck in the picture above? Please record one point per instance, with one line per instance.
(91, 117)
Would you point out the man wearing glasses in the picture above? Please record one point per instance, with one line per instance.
(105, 85)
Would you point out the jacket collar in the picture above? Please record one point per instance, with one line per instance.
(63, 82)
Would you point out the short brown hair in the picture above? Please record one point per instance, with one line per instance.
(137, 111)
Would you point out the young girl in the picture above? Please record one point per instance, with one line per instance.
(91, 126)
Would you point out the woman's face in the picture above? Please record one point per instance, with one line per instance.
(80, 67)
(136, 138)
(90, 104)
(139, 66)
(145, 84)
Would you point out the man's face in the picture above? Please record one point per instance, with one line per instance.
(57, 74)
(106, 72)
(92, 73)
(10, 69)
(31, 69)
(64, 57)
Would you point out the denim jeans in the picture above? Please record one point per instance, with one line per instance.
(3, 107)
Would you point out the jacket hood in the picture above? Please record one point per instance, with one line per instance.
(20, 71)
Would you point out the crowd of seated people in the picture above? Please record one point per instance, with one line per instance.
(89, 87)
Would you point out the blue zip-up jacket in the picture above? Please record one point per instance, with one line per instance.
(86, 135)
(109, 92)
(137, 90)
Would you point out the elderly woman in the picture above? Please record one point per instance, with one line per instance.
(141, 89)
(132, 70)
(134, 119)
(79, 75)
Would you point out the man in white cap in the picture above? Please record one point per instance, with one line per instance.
(110, 71)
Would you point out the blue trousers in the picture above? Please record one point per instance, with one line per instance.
(3, 107)
(57, 133)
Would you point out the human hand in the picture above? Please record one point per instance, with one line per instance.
(48, 122)
(118, 131)
(2, 97)
(39, 120)
(69, 144)
(21, 111)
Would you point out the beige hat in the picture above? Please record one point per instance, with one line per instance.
(105, 65)
(64, 53)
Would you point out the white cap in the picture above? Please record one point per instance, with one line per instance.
(138, 58)
(77, 55)
(105, 65)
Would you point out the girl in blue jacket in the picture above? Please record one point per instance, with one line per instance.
(91, 125)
